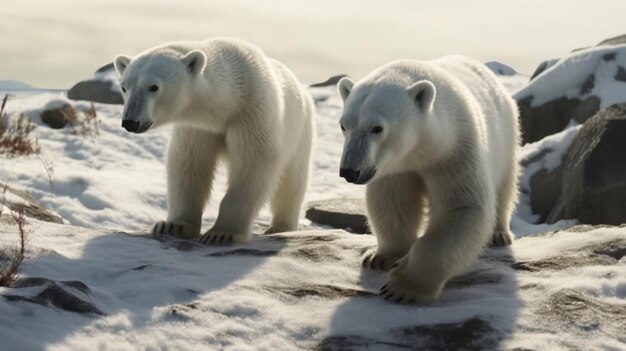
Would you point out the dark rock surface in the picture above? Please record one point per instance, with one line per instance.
(472, 334)
(348, 214)
(545, 190)
(594, 172)
(55, 294)
(553, 116)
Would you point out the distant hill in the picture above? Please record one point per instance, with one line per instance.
(14, 84)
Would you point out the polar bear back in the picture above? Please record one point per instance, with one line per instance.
(496, 108)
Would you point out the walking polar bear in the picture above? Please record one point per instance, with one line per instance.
(442, 132)
(226, 99)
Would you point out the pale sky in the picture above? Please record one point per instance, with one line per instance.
(53, 44)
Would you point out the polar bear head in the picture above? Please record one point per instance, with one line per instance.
(382, 122)
(156, 86)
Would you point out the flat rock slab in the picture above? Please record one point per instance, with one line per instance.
(347, 214)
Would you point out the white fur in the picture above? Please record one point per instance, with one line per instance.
(449, 139)
(227, 100)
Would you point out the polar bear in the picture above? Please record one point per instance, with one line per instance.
(443, 133)
(226, 101)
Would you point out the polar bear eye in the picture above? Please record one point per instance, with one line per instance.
(377, 130)
(343, 129)
(123, 89)
(153, 88)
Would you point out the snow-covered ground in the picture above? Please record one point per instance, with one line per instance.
(286, 291)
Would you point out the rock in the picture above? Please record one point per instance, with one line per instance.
(552, 117)
(96, 91)
(572, 90)
(542, 67)
(545, 190)
(17, 200)
(329, 82)
(102, 88)
(500, 68)
(55, 294)
(620, 39)
(348, 214)
(57, 113)
(541, 177)
(594, 172)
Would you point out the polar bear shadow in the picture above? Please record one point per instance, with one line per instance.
(135, 277)
(476, 310)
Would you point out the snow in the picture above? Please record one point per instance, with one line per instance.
(156, 296)
(278, 292)
(109, 75)
(567, 76)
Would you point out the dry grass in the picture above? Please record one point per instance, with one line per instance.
(15, 138)
(85, 125)
(11, 259)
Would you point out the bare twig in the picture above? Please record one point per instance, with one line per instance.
(10, 260)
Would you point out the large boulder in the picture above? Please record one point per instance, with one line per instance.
(57, 113)
(541, 174)
(571, 90)
(103, 87)
(348, 214)
(594, 172)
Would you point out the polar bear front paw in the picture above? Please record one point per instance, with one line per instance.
(404, 287)
(176, 229)
(501, 238)
(378, 261)
(214, 237)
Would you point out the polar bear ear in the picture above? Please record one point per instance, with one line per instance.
(120, 63)
(345, 86)
(423, 93)
(195, 61)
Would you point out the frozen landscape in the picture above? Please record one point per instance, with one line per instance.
(100, 282)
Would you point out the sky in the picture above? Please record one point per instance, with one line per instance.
(54, 44)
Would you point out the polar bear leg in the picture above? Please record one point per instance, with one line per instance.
(507, 193)
(191, 162)
(252, 173)
(458, 229)
(287, 200)
(395, 209)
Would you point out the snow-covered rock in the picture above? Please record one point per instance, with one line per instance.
(540, 181)
(103, 87)
(574, 88)
(500, 68)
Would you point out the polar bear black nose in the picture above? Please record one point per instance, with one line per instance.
(349, 174)
(130, 125)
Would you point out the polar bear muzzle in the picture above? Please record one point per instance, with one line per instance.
(134, 110)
